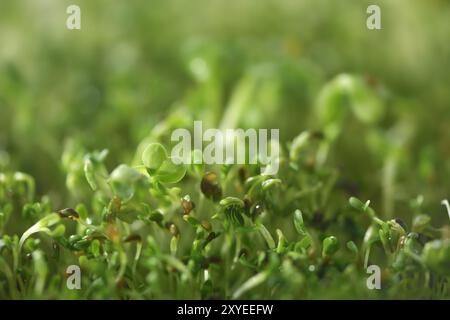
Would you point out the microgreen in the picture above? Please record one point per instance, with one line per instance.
(155, 228)
(140, 234)
(43, 225)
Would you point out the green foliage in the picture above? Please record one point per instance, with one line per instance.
(87, 177)
(221, 245)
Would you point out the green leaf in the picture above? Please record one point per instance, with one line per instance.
(267, 236)
(233, 209)
(251, 283)
(232, 201)
(123, 180)
(358, 204)
(174, 245)
(281, 241)
(298, 222)
(89, 172)
(58, 232)
(298, 144)
(384, 237)
(236, 217)
(303, 244)
(270, 183)
(191, 220)
(169, 172)
(330, 246)
(332, 105)
(154, 156)
(40, 226)
(352, 247)
(82, 211)
(95, 248)
(128, 215)
(365, 104)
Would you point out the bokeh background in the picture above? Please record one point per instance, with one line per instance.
(135, 63)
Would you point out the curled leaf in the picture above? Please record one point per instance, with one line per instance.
(42, 225)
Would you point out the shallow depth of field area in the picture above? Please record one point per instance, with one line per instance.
(86, 118)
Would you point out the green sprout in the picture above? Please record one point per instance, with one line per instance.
(144, 224)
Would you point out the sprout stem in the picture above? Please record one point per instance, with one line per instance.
(447, 206)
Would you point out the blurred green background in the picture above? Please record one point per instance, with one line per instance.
(133, 63)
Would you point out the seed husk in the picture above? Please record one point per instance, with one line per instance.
(69, 213)
(187, 204)
(210, 186)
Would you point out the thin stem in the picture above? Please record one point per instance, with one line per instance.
(447, 206)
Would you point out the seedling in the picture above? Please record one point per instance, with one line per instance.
(160, 228)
